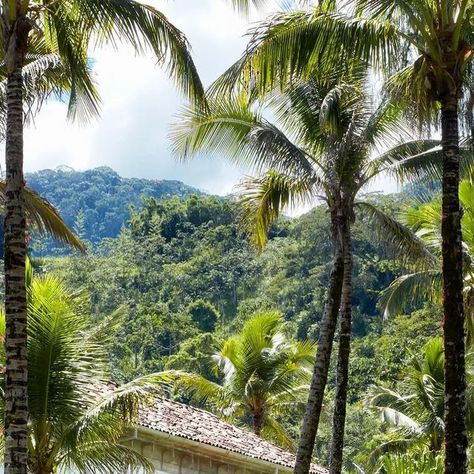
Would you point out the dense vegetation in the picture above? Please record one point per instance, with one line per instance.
(98, 199)
(182, 273)
(184, 276)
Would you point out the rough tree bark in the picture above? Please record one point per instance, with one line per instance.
(453, 325)
(258, 418)
(16, 370)
(323, 354)
(342, 371)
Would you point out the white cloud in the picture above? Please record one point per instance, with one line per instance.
(140, 103)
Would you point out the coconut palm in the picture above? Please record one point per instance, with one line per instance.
(327, 152)
(425, 283)
(426, 48)
(264, 376)
(416, 413)
(68, 28)
(76, 417)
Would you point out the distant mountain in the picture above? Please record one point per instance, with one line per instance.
(99, 197)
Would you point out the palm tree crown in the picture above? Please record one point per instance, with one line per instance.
(322, 148)
(264, 374)
(417, 412)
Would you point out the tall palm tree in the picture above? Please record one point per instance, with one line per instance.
(264, 375)
(425, 283)
(68, 27)
(426, 47)
(76, 418)
(327, 153)
(417, 412)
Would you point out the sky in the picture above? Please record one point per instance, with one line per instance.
(140, 103)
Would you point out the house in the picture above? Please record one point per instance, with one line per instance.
(180, 439)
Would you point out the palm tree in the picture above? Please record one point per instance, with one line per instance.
(417, 413)
(67, 27)
(425, 283)
(326, 153)
(429, 45)
(264, 375)
(76, 417)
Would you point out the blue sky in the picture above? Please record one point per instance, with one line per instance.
(140, 103)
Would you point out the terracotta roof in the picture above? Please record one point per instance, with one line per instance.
(188, 422)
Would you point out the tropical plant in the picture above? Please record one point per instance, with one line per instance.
(327, 152)
(425, 47)
(412, 463)
(67, 27)
(264, 376)
(76, 417)
(425, 283)
(416, 412)
(44, 218)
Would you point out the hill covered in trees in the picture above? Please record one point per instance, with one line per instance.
(99, 199)
(184, 278)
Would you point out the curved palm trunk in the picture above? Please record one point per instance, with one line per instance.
(455, 381)
(16, 375)
(323, 356)
(342, 371)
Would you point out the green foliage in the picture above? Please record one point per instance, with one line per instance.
(424, 283)
(379, 358)
(204, 314)
(178, 254)
(416, 411)
(76, 419)
(412, 463)
(99, 197)
(195, 356)
(264, 375)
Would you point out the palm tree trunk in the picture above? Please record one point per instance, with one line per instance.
(455, 381)
(323, 356)
(16, 375)
(342, 371)
(258, 423)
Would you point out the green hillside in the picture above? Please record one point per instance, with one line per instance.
(100, 196)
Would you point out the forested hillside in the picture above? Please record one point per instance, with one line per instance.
(184, 277)
(99, 198)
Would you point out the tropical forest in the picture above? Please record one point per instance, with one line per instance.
(237, 236)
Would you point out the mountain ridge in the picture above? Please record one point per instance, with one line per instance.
(100, 197)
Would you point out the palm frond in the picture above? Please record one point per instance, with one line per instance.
(411, 289)
(243, 6)
(46, 218)
(274, 431)
(407, 161)
(399, 237)
(142, 26)
(98, 456)
(234, 130)
(200, 389)
(296, 44)
(266, 197)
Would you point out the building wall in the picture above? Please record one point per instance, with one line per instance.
(169, 456)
